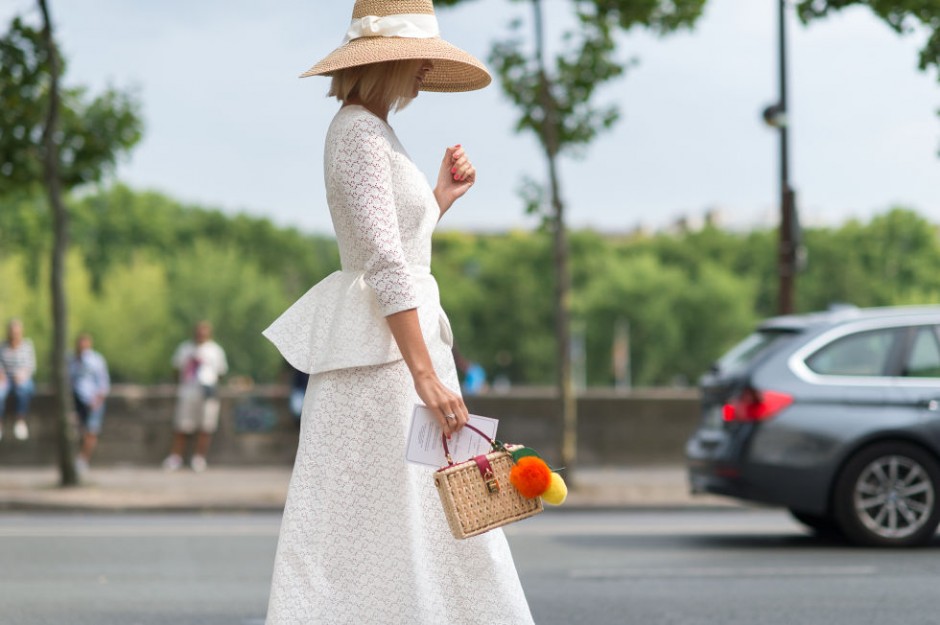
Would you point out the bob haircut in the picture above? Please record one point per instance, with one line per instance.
(390, 83)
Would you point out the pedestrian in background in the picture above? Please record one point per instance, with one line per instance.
(298, 390)
(17, 366)
(200, 363)
(91, 384)
(473, 374)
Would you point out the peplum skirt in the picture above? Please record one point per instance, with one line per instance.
(363, 538)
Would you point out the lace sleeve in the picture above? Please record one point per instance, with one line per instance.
(362, 182)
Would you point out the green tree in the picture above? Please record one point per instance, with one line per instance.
(59, 139)
(217, 285)
(117, 224)
(120, 233)
(891, 260)
(495, 300)
(679, 322)
(131, 322)
(556, 102)
(20, 298)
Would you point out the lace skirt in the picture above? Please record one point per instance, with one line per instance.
(363, 538)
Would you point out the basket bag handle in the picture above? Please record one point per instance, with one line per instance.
(495, 444)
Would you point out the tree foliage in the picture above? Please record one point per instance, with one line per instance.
(93, 131)
(144, 268)
(903, 16)
(687, 297)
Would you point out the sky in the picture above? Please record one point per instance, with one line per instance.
(230, 126)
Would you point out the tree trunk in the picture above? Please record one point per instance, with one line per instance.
(60, 218)
(550, 144)
(569, 407)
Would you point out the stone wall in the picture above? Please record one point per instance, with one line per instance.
(615, 428)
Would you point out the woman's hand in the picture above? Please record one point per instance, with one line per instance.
(456, 177)
(442, 402)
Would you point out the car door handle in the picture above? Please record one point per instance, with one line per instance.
(932, 405)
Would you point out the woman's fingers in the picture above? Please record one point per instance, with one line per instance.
(453, 414)
(461, 168)
(454, 417)
(443, 403)
(449, 419)
(467, 172)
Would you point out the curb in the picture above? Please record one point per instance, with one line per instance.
(132, 491)
(54, 508)
(47, 507)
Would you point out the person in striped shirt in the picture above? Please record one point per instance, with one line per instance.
(17, 366)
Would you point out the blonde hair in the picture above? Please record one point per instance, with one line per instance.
(389, 84)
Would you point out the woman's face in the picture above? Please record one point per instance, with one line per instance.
(15, 332)
(423, 68)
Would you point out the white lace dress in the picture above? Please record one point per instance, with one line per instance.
(363, 539)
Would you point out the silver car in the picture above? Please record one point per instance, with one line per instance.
(834, 415)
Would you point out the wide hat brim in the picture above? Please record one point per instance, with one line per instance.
(454, 69)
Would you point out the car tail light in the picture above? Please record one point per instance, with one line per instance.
(753, 405)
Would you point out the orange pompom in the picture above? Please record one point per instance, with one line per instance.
(531, 476)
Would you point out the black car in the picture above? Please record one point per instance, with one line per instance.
(834, 415)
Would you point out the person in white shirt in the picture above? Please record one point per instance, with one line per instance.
(200, 363)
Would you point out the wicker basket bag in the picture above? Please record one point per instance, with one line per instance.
(477, 495)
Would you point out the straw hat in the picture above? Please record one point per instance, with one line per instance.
(396, 30)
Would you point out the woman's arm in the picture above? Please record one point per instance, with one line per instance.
(440, 399)
(363, 190)
(455, 178)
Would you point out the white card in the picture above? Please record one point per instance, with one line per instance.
(424, 439)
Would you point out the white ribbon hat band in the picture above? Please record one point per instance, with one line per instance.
(410, 25)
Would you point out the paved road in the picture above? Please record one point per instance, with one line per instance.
(720, 567)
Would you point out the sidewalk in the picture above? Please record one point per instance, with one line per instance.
(129, 489)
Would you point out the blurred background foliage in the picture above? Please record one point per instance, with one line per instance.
(143, 267)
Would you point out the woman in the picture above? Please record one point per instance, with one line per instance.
(17, 366)
(363, 537)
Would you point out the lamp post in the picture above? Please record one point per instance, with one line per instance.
(776, 116)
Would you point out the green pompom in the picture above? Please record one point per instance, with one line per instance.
(522, 452)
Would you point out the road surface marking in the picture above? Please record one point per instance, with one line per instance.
(112, 531)
(684, 529)
(724, 572)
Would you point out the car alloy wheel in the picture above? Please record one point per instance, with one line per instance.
(893, 496)
(886, 496)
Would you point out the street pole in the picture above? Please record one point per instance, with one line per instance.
(786, 257)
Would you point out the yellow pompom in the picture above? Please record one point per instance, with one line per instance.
(557, 491)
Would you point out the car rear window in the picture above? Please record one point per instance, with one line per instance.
(860, 354)
(745, 352)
